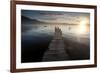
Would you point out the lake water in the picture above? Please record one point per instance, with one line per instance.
(37, 37)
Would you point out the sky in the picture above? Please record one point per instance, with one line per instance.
(57, 16)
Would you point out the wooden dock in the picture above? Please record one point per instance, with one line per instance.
(56, 51)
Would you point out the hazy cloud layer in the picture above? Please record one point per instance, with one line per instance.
(57, 16)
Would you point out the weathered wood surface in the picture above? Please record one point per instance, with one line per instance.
(56, 51)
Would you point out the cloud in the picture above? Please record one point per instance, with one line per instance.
(56, 16)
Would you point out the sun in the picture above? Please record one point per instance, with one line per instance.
(82, 27)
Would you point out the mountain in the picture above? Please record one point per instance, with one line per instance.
(26, 20)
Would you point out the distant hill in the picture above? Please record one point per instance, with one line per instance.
(26, 20)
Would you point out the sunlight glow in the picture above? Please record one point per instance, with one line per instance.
(82, 27)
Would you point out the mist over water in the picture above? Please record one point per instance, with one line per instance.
(48, 29)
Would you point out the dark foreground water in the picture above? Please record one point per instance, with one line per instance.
(33, 48)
